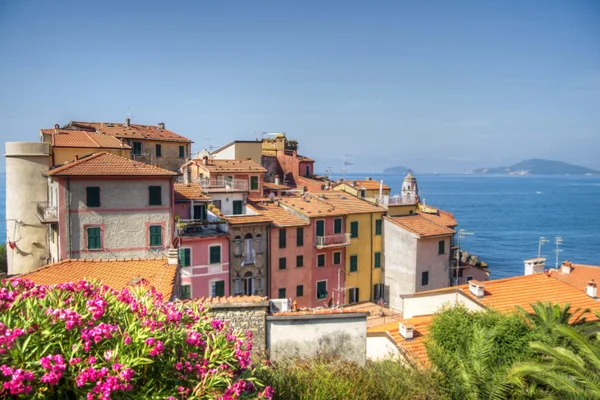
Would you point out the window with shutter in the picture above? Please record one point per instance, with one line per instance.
(184, 257)
(320, 228)
(299, 237)
(282, 293)
(321, 289)
(441, 247)
(259, 246)
(92, 196)
(154, 196)
(94, 238)
(282, 263)
(320, 260)
(181, 151)
(378, 224)
(248, 251)
(218, 289)
(337, 258)
(237, 207)
(337, 225)
(299, 290)
(354, 229)
(353, 263)
(158, 150)
(425, 278)
(155, 235)
(353, 295)
(137, 148)
(254, 183)
(215, 254)
(186, 291)
(377, 291)
(377, 260)
(299, 261)
(282, 238)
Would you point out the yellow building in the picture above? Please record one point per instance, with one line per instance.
(240, 150)
(364, 256)
(67, 145)
(367, 189)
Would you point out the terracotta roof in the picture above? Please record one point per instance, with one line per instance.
(280, 216)
(189, 191)
(368, 184)
(414, 349)
(114, 273)
(420, 226)
(438, 216)
(317, 312)
(106, 164)
(351, 204)
(247, 219)
(305, 159)
(208, 301)
(274, 186)
(133, 131)
(85, 139)
(239, 166)
(579, 276)
(311, 206)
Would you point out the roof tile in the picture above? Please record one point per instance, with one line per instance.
(420, 225)
(83, 139)
(133, 131)
(189, 191)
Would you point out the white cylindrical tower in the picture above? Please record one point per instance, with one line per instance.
(26, 243)
(410, 189)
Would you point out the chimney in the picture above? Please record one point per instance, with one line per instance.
(406, 330)
(535, 266)
(566, 267)
(161, 125)
(477, 288)
(205, 160)
(276, 180)
(76, 157)
(56, 127)
(173, 256)
(591, 289)
(127, 121)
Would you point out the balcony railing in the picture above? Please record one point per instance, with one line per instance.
(46, 214)
(189, 228)
(339, 240)
(397, 200)
(222, 183)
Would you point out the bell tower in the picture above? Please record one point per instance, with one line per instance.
(410, 189)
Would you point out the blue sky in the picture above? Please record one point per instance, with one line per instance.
(432, 85)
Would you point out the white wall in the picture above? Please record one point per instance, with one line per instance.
(436, 264)
(430, 304)
(306, 336)
(225, 154)
(400, 262)
(381, 347)
(227, 201)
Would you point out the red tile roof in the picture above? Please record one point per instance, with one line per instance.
(311, 206)
(133, 131)
(274, 186)
(351, 204)
(280, 216)
(367, 184)
(438, 216)
(189, 191)
(211, 301)
(235, 166)
(326, 311)
(305, 159)
(247, 219)
(579, 276)
(116, 274)
(83, 139)
(106, 164)
(420, 226)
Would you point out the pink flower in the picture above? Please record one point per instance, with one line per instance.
(149, 341)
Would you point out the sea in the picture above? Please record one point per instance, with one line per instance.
(506, 214)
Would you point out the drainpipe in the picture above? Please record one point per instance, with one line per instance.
(268, 263)
(372, 256)
(69, 216)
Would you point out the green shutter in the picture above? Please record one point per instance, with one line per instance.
(158, 150)
(425, 278)
(299, 261)
(321, 260)
(299, 291)
(441, 247)
(94, 239)
(282, 263)
(321, 289)
(337, 225)
(377, 260)
(155, 195)
(184, 257)
(299, 237)
(93, 196)
(354, 229)
(254, 183)
(137, 148)
(282, 293)
(186, 291)
(378, 227)
(237, 207)
(337, 258)
(282, 238)
(215, 254)
(156, 235)
(219, 288)
(181, 151)
(353, 263)
(321, 228)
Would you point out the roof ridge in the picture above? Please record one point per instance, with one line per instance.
(77, 162)
(92, 139)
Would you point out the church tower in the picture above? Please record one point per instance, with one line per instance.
(410, 189)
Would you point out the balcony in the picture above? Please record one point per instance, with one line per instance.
(46, 214)
(223, 184)
(339, 240)
(397, 200)
(195, 228)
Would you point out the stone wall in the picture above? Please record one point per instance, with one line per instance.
(245, 316)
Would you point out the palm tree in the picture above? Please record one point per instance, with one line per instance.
(570, 372)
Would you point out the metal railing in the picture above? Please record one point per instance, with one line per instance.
(46, 213)
(397, 200)
(339, 240)
(190, 227)
(222, 182)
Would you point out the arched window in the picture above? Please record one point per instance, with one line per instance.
(248, 249)
(248, 284)
(259, 248)
(237, 246)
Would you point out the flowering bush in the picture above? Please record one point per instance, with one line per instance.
(85, 340)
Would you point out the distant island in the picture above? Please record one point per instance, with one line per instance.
(537, 167)
(397, 170)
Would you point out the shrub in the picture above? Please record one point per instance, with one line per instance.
(86, 340)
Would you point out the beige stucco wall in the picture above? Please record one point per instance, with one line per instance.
(428, 305)
(25, 186)
(381, 347)
(241, 151)
(400, 261)
(62, 155)
(438, 266)
(170, 153)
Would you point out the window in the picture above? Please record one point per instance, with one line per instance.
(441, 247)
(237, 246)
(181, 151)
(282, 293)
(299, 291)
(378, 291)
(299, 261)
(184, 257)
(185, 292)
(137, 148)
(199, 212)
(378, 227)
(321, 289)
(158, 150)
(353, 295)
(353, 263)
(378, 260)
(259, 248)
(337, 225)
(155, 195)
(320, 228)
(282, 263)
(425, 278)
(215, 254)
(217, 289)
(299, 237)
(217, 203)
(248, 286)
(92, 196)
(282, 238)
(237, 207)
(469, 278)
(363, 193)
(307, 171)
(254, 183)
(248, 249)
(320, 260)
(337, 258)
(94, 238)
(354, 229)
(155, 235)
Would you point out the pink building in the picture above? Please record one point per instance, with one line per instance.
(327, 229)
(203, 244)
(291, 255)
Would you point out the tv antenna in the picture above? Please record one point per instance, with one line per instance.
(345, 164)
(130, 112)
(558, 241)
(542, 242)
(462, 234)
(328, 171)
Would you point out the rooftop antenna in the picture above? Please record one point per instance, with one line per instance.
(328, 171)
(346, 163)
(542, 242)
(558, 240)
(461, 235)
(130, 112)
